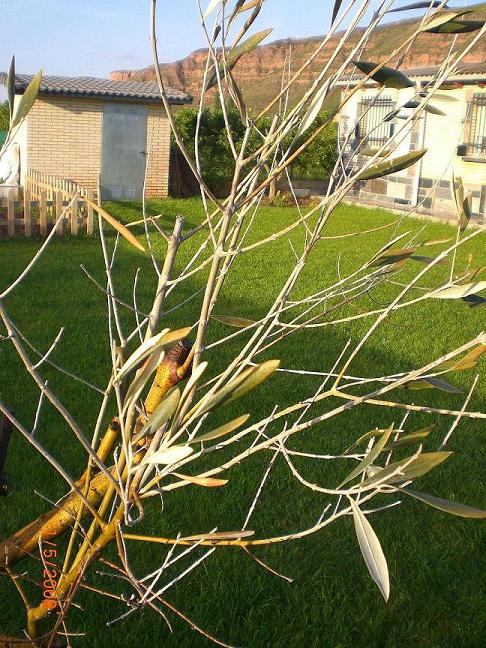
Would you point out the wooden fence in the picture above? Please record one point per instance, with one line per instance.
(42, 202)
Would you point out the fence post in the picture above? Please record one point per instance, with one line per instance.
(43, 213)
(27, 217)
(74, 217)
(89, 216)
(11, 214)
(59, 209)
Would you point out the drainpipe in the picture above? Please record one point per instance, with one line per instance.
(418, 167)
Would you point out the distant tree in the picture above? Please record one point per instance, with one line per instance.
(4, 116)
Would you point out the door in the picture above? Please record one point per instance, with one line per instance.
(123, 151)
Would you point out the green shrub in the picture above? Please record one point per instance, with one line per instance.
(216, 158)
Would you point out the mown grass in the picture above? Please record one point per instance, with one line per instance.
(437, 562)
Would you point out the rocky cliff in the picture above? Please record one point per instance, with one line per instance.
(259, 73)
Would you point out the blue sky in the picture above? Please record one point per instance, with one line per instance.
(93, 37)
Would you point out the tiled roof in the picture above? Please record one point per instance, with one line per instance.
(101, 88)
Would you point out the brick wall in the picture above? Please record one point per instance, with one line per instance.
(64, 139)
(158, 148)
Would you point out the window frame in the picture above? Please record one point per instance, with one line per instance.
(477, 122)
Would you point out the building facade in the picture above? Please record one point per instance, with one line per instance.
(455, 141)
(114, 134)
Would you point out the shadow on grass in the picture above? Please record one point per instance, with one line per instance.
(434, 560)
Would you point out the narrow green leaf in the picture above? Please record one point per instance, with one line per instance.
(371, 549)
(429, 242)
(454, 508)
(387, 76)
(432, 382)
(335, 10)
(370, 152)
(223, 430)
(116, 224)
(27, 100)
(433, 110)
(245, 382)
(463, 202)
(236, 322)
(234, 55)
(161, 414)
(457, 27)
(392, 166)
(408, 439)
(370, 457)
(442, 17)
(162, 340)
(427, 259)
(11, 87)
(425, 4)
(393, 255)
(365, 437)
(141, 377)
(421, 465)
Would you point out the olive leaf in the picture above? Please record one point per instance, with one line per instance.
(427, 259)
(249, 5)
(454, 508)
(463, 202)
(141, 378)
(223, 430)
(371, 549)
(116, 224)
(407, 470)
(212, 6)
(11, 87)
(237, 52)
(386, 76)
(391, 166)
(431, 382)
(370, 457)
(162, 413)
(162, 340)
(442, 17)
(208, 482)
(27, 100)
(236, 322)
(238, 387)
(474, 300)
(458, 292)
(425, 4)
(168, 456)
(392, 255)
(457, 27)
(409, 439)
(335, 10)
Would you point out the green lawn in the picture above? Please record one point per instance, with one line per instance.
(437, 563)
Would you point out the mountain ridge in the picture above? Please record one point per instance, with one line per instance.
(259, 73)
